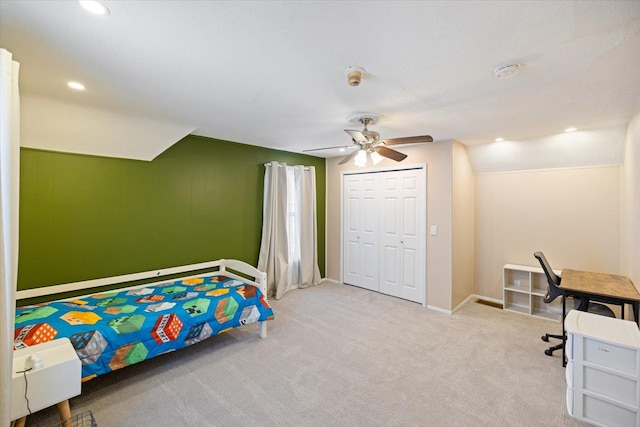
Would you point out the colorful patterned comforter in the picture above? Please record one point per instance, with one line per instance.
(115, 329)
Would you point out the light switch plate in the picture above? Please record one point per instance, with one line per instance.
(434, 230)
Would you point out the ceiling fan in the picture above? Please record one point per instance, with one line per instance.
(371, 146)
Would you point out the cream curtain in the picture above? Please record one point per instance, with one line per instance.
(9, 193)
(288, 252)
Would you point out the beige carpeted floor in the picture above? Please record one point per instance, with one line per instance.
(337, 355)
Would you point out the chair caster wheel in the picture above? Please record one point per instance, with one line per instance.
(548, 352)
(545, 338)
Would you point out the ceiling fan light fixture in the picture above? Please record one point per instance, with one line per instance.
(368, 144)
(376, 158)
(360, 159)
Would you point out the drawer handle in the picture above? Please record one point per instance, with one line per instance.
(603, 349)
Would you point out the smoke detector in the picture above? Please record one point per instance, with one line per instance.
(506, 71)
(354, 75)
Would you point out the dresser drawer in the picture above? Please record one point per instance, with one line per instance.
(612, 356)
(568, 373)
(610, 385)
(601, 412)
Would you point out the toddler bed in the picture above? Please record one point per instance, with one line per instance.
(113, 329)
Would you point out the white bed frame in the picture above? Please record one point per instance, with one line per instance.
(226, 266)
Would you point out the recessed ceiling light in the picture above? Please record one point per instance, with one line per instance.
(94, 7)
(76, 85)
(570, 129)
(499, 139)
(342, 150)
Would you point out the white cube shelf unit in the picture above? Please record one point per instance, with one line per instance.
(524, 290)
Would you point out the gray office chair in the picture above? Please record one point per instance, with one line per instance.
(554, 291)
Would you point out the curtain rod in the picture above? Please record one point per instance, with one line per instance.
(306, 168)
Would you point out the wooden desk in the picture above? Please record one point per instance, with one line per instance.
(601, 287)
(607, 288)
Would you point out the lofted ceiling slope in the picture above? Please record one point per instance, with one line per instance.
(271, 73)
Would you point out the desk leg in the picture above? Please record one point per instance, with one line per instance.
(64, 411)
(564, 333)
(20, 422)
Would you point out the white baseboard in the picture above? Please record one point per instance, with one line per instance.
(467, 300)
(438, 309)
(470, 298)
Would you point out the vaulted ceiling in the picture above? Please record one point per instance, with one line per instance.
(271, 73)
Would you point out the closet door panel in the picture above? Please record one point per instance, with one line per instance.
(391, 212)
(360, 247)
(370, 270)
(352, 266)
(351, 250)
(413, 223)
(391, 216)
(409, 268)
(369, 233)
(409, 217)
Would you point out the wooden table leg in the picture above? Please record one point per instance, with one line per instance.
(19, 422)
(64, 411)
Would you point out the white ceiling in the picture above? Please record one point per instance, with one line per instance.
(271, 73)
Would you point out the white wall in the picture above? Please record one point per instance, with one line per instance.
(630, 259)
(53, 125)
(463, 232)
(572, 215)
(560, 194)
(595, 147)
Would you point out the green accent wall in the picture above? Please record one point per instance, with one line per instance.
(85, 217)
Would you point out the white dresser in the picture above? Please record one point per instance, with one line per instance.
(603, 369)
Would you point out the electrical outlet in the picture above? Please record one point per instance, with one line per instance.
(516, 282)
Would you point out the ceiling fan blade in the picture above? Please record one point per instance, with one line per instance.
(389, 153)
(348, 157)
(357, 136)
(329, 148)
(408, 140)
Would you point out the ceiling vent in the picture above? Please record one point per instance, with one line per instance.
(506, 71)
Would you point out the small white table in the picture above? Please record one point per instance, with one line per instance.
(54, 383)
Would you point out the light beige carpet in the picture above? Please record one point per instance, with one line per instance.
(338, 355)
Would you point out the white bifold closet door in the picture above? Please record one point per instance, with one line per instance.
(360, 230)
(384, 237)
